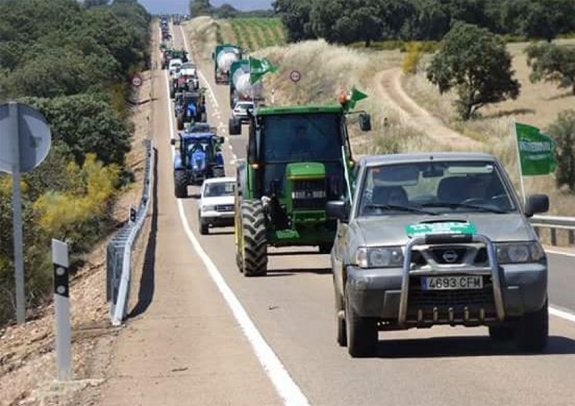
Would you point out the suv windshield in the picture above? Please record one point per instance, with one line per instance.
(302, 137)
(435, 188)
(218, 189)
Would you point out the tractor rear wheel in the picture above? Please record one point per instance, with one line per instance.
(255, 255)
(181, 184)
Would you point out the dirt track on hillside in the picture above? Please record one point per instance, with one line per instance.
(389, 87)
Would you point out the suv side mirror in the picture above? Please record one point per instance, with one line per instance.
(337, 209)
(365, 122)
(536, 204)
(172, 141)
(222, 139)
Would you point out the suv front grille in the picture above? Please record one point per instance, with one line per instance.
(472, 301)
(224, 207)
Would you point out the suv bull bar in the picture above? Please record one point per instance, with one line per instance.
(438, 269)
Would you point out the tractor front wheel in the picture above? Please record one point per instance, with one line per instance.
(181, 184)
(255, 255)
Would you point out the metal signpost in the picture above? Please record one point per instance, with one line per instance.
(24, 143)
(62, 310)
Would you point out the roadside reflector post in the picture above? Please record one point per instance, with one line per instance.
(62, 310)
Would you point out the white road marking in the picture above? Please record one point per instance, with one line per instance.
(287, 389)
(562, 314)
(554, 252)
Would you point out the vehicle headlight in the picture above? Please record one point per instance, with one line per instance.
(519, 252)
(208, 208)
(379, 257)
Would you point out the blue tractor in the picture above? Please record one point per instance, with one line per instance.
(199, 156)
(190, 107)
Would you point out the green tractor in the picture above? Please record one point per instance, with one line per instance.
(298, 158)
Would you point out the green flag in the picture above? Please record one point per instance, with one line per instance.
(536, 151)
(351, 98)
(259, 67)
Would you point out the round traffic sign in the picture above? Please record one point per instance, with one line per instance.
(295, 76)
(137, 80)
(25, 137)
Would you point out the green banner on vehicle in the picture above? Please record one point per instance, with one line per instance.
(536, 151)
(259, 67)
(418, 230)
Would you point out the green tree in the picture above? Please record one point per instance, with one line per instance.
(552, 63)
(86, 123)
(474, 62)
(95, 3)
(200, 8)
(295, 16)
(563, 132)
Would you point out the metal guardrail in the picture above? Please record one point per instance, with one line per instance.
(555, 223)
(119, 249)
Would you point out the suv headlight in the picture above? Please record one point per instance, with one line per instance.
(208, 208)
(379, 257)
(519, 252)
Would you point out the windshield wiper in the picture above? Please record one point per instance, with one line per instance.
(467, 206)
(399, 208)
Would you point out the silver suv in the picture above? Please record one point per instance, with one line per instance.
(437, 238)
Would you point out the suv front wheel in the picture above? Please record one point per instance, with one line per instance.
(361, 333)
(533, 329)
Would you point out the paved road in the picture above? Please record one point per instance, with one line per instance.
(187, 324)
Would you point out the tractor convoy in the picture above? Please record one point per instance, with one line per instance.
(415, 240)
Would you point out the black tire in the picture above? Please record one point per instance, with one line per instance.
(341, 330)
(234, 126)
(325, 248)
(180, 121)
(180, 184)
(204, 228)
(255, 255)
(172, 93)
(501, 333)
(532, 330)
(361, 333)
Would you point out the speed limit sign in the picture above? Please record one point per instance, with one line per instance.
(295, 76)
(136, 80)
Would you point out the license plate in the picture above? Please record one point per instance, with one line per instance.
(451, 282)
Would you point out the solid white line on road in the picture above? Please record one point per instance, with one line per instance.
(555, 252)
(562, 314)
(287, 389)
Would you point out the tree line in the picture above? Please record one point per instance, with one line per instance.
(226, 10)
(348, 21)
(71, 61)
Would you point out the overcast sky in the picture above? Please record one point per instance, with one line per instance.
(181, 6)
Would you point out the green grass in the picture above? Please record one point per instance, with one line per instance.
(256, 33)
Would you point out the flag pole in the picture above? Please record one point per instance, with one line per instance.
(514, 132)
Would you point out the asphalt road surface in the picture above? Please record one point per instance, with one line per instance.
(211, 336)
